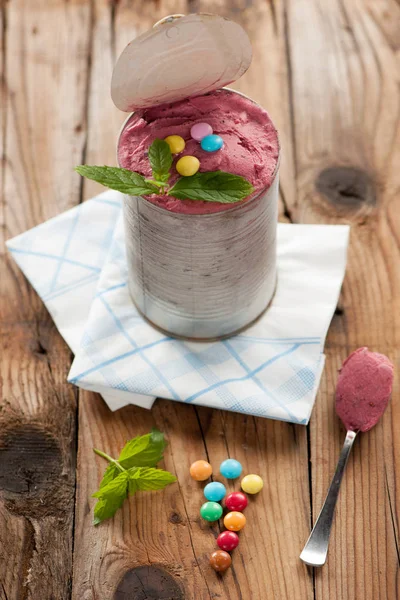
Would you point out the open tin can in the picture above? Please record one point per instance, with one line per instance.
(195, 276)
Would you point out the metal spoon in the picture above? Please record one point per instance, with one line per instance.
(362, 393)
(315, 551)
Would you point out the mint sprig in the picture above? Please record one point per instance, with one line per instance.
(122, 180)
(133, 471)
(214, 186)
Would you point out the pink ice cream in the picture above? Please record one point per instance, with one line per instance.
(363, 389)
(251, 146)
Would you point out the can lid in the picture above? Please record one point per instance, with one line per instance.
(178, 58)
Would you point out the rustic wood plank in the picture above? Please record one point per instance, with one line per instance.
(102, 570)
(164, 530)
(42, 109)
(167, 543)
(104, 119)
(346, 109)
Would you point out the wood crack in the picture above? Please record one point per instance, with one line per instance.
(286, 34)
(4, 591)
(273, 16)
(393, 519)
(29, 550)
(89, 63)
(3, 92)
(287, 213)
(308, 428)
(113, 17)
(190, 528)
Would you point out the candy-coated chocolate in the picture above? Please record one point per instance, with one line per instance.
(212, 143)
(220, 561)
(201, 470)
(236, 501)
(228, 540)
(231, 468)
(211, 511)
(234, 521)
(252, 484)
(188, 166)
(215, 491)
(200, 131)
(176, 143)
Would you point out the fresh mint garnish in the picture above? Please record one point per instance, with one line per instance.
(110, 497)
(160, 158)
(147, 479)
(122, 180)
(133, 471)
(144, 451)
(215, 186)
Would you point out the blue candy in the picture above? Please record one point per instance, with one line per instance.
(214, 491)
(231, 468)
(212, 143)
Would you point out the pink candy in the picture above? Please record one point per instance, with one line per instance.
(200, 131)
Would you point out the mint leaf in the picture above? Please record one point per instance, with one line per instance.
(157, 438)
(144, 478)
(110, 497)
(116, 487)
(144, 451)
(122, 180)
(214, 186)
(160, 158)
(106, 508)
(133, 471)
(110, 473)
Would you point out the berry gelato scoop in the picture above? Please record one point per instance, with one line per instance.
(363, 389)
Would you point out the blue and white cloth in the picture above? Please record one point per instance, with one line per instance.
(77, 264)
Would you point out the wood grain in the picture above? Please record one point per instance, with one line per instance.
(328, 74)
(41, 141)
(346, 111)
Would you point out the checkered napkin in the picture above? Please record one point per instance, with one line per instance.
(77, 264)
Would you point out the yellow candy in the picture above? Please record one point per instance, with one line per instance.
(187, 166)
(176, 143)
(252, 484)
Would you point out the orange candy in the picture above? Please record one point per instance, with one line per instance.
(234, 521)
(201, 470)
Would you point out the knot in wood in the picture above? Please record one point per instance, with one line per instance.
(30, 467)
(148, 583)
(346, 187)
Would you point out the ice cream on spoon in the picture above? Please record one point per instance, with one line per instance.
(363, 389)
(362, 394)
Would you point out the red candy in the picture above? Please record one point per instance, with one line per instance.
(228, 540)
(236, 501)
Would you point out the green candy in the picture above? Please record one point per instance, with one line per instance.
(211, 511)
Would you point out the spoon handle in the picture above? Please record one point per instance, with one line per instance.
(315, 551)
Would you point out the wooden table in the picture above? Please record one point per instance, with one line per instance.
(328, 72)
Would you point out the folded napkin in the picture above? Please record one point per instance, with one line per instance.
(77, 264)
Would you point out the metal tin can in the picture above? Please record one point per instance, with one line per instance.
(204, 276)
